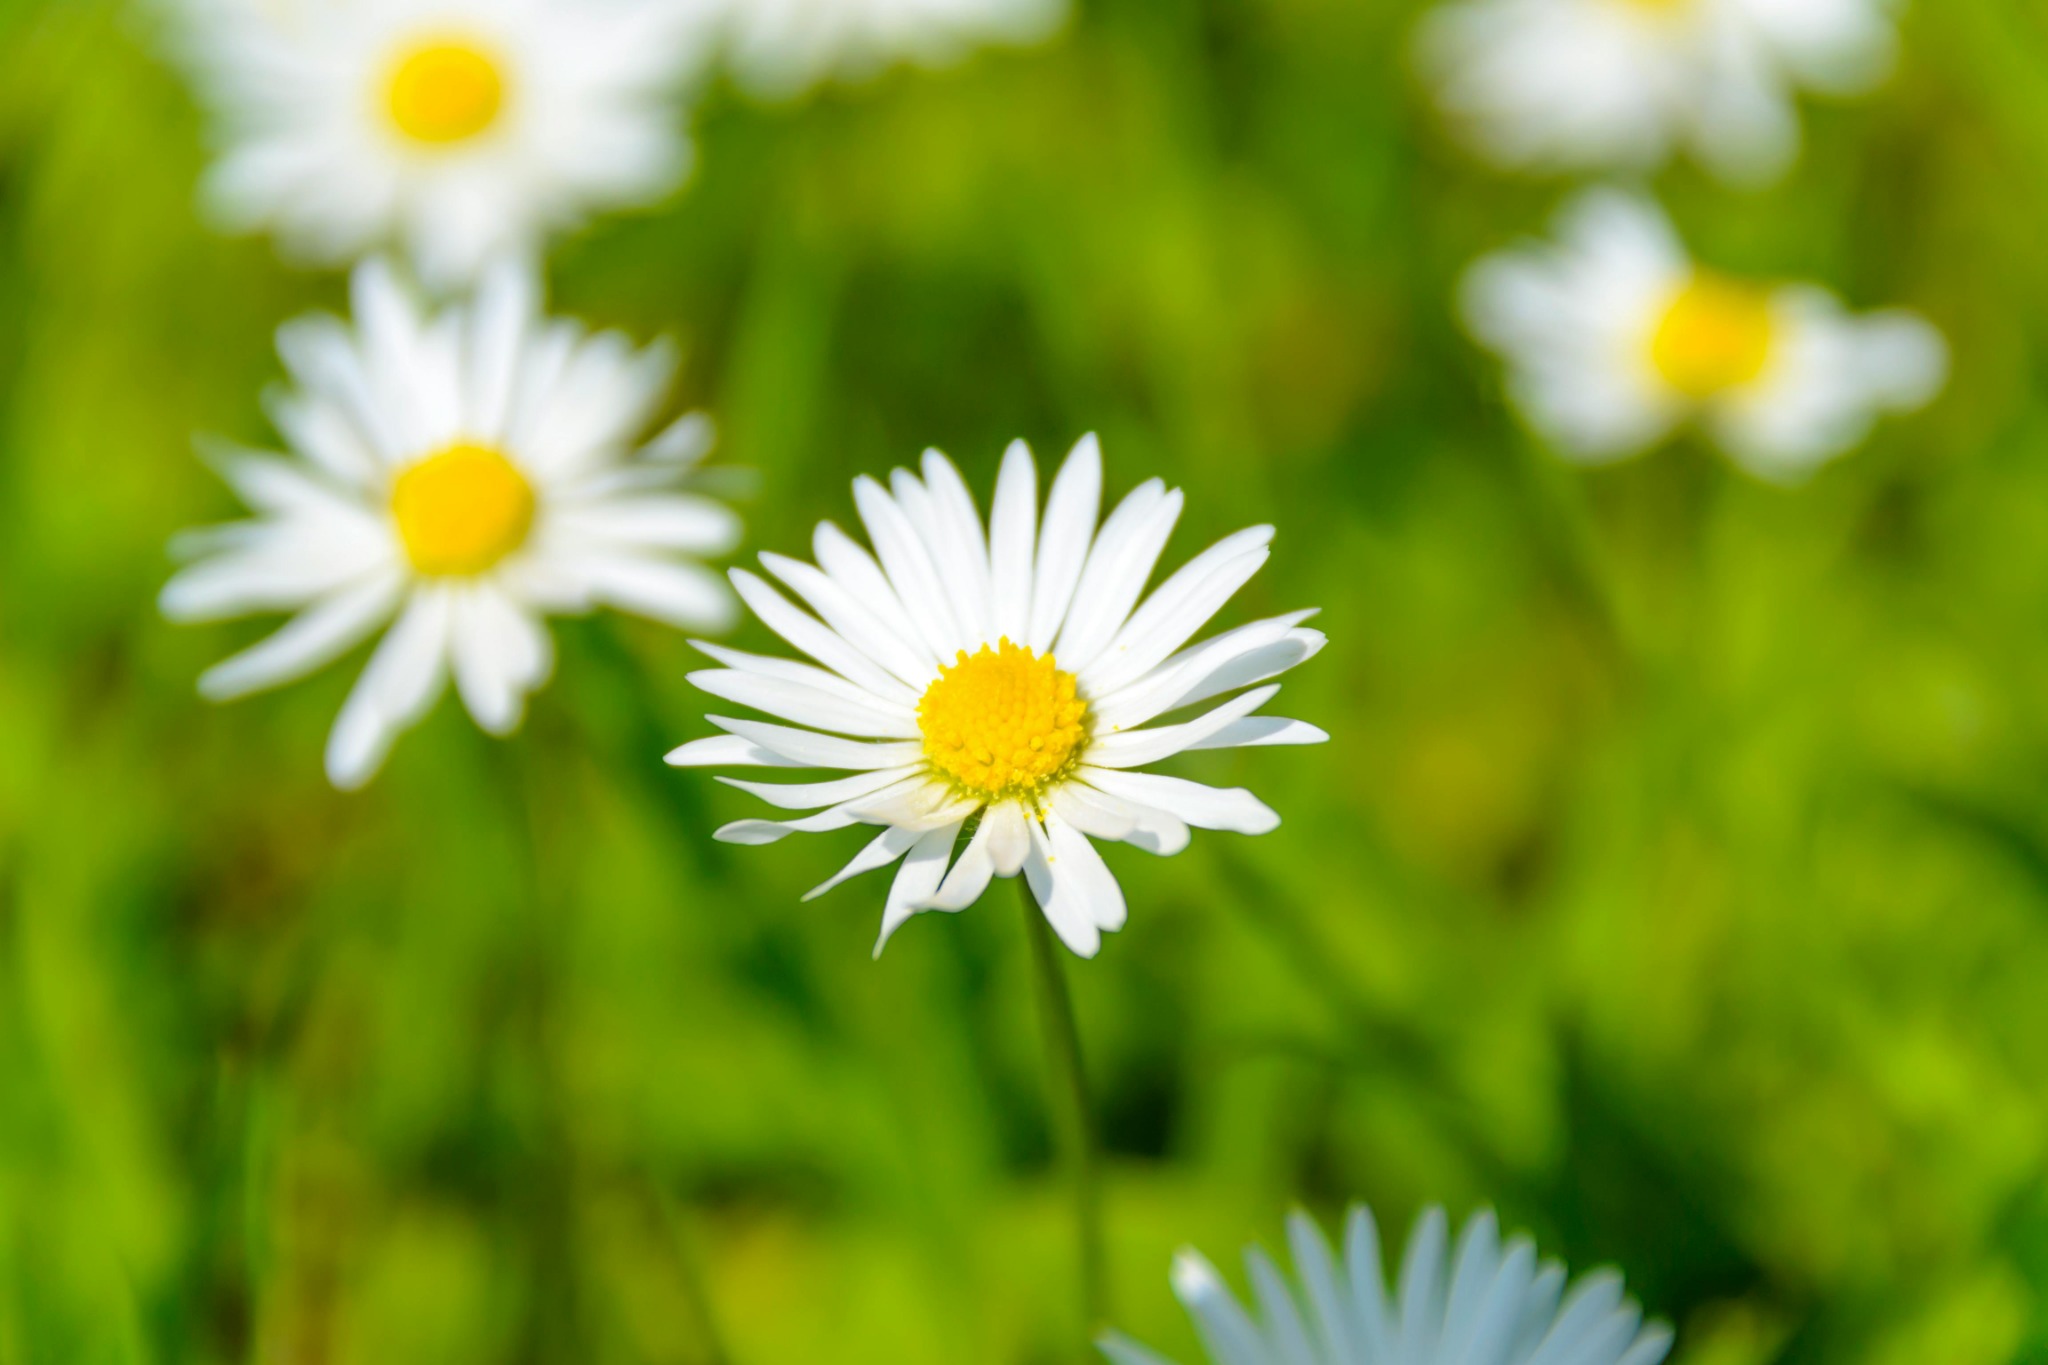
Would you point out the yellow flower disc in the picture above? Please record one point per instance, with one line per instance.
(1003, 722)
(446, 92)
(461, 511)
(1716, 335)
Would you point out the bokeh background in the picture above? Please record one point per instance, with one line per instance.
(1677, 881)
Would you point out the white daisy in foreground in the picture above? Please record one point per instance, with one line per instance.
(1003, 684)
(1587, 84)
(781, 48)
(466, 472)
(459, 129)
(1614, 337)
(1477, 1302)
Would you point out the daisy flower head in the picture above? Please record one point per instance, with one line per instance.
(1614, 337)
(1003, 685)
(456, 129)
(781, 48)
(461, 473)
(1477, 1301)
(1578, 85)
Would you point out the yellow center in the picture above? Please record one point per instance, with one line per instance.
(1715, 335)
(461, 511)
(445, 91)
(1002, 722)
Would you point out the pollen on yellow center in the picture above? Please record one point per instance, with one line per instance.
(1715, 335)
(445, 91)
(1003, 722)
(461, 511)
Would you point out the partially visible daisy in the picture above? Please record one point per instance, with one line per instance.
(1003, 685)
(781, 48)
(466, 472)
(1477, 1302)
(1590, 84)
(458, 129)
(1613, 337)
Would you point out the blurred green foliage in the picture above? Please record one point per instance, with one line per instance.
(1677, 881)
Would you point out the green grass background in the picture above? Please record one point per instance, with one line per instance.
(1677, 881)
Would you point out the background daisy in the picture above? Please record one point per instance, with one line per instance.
(1477, 1302)
(780, 48)
(458, 129)
(1581, 84)
(1006, 684)
(466, 472)
(1613, 337)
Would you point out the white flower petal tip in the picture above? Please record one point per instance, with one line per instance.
(1581, 85)
(462, 473)
(1475, 1298)
(1614, 338)
(1003, 675)
(481, 137)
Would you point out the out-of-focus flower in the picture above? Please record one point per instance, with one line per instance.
(1588, 84)
(466, 472)
(457, 129)
(780, 48)
(1614, 337)
(1475, 1303)
(1003, 683)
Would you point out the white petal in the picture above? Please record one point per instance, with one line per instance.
(1234, 809)
(1078, 866)
(857, 574)
(970, 875)
(1237, 658)
(1320, 1284)
(1009, 837)
(1420, 1290)
(1226, 1331)
(505, 303)
(807, 705)
(965, 547)
(1013, 526)
(1121, 1350)
(679, 594)
(1284, 1328)
(884, 849)
(813, 637)
(1255, 731)
(317, 636)
(1182, 606)
(1100, 815)
(1135, 748)
(859, 627)
(1069, 531)
(398, 686)
(727, 751)
(922, 871)
(909, 565)
(658, 521)
(500, 654)
(811, 795)
(1118, 569)
(821, 751)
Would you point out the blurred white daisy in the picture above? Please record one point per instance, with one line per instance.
(1003, 684)
(1476, 1303)
(1614, 337)
(1586, 84)
(781, 48)
(457, 129)
(466, 472)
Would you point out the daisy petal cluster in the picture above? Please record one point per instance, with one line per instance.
(458, 474)
(459, 130)
(1477, 1301)
(1604, 84)
(780, 48)
(1614, 337)
(993, 692)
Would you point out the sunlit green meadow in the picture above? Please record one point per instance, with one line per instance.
(1676, 881)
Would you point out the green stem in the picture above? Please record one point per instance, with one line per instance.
(1074, 1117)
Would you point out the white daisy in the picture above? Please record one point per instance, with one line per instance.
(466, 472)
(781, 48)
(1584, 84)
(1613, 337)
(459, 129)
(1476, 1303)
(1003, 684)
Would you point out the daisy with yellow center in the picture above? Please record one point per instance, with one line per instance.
(1588, 85)
(992, 690)
(1614, 338)
(458, 130)
(461, 475)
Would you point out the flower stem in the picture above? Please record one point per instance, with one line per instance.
(1074, 1116)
